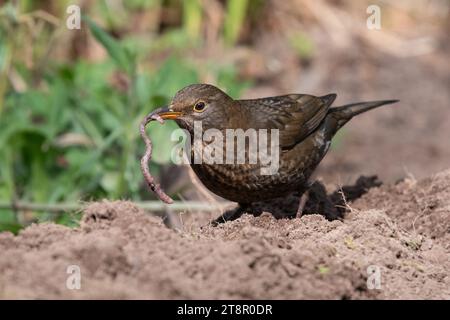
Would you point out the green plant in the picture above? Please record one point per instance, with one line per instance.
(323, 269)
(303, 45)
(71, 133)
(234, 20)
(192, 18)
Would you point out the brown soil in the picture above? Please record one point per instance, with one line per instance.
(123, 252)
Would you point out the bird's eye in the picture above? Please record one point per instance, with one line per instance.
(199, 106)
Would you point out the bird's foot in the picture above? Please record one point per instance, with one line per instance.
(229, 215)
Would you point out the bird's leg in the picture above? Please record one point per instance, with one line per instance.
(301, 205)
(304, 196)
(230, 215)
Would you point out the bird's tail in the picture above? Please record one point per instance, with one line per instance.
(339, 116)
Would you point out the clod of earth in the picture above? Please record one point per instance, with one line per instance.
(156, 188)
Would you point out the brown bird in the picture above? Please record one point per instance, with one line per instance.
(306, 124)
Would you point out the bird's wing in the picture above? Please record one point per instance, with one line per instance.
(295, 115)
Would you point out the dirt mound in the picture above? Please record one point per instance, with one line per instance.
(401, 232)
(421, 207)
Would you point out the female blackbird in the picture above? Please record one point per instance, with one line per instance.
(306, 124)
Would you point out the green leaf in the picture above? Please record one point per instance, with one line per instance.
(303, 45)
(122, 57)
(89, 126)
(69, 219)
(109, 181)
(11, 227)
(234, 20)
(192, 18)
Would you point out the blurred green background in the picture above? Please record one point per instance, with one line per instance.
(69, 120)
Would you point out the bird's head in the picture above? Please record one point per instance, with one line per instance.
(198, 102)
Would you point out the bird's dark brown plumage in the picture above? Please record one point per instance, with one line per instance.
(306, 125)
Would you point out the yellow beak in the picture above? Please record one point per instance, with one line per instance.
(167, 113)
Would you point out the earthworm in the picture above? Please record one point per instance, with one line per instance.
(156, 188)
